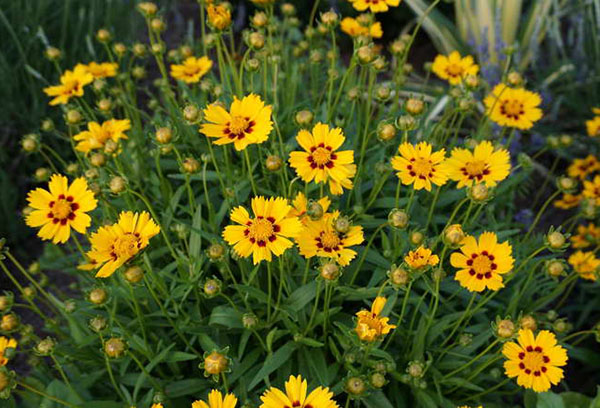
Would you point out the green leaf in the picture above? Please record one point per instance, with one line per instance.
(272, 363)
(176, 356)
(301, 297)
(226, 316)
(550, 400)
(195, 237)
(186, 387)
(575, 400)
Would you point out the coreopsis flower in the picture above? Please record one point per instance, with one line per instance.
(375, 6)
(4, 344)
(586, 235)
(216, 400)
(192, 69)
(96, 135)
(102, 69)
(535, 360)
(419, 166)
(370, 326)
(454, 68)
(219, 16)
(421, 258)
(482, 262)
(61, 208)
(484, 165)
(591, 190)
(354, 28)
(71, 85)
(321, 238)
(248, 121)
(301, 208)
(266, 233)
(593, 126)
(513, 107)
(115, 245)
(581, 168)
(585, 264)
(295, 395)
(321, 161)
(568, 201)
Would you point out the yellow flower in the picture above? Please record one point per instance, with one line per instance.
(482, 263)
(581, 168)
(586, 236)
(4, 344)
(248, 121)
(265, 234)
(101, 70)
(300, 206)
(591, 190)
(417, 165)
(593, 126)
(513, 107)
(192, 69)
(219, 16)
(116, 244)
(535, 361)
(483, 165)
(321, 161)
(568, 201)
(320, 238)
(585, 264)
(97, 135)
(216, 400)
(60, 209)
(375, 6)
(453, 68)
(157, 405)
(295, 396)
(354, 28)
(71, 85)
(370, 326)
(263, 3)
(421, 258)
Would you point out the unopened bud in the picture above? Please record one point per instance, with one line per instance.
(53, 53)
(355, 386)
(98, 159)
(398, 218)
(505, 329)
(98, 296)
(216, 252)
(190, 113)
(215, 363)
(414, 106)
(273, 162)
(528, 322)
(103, 35)
(45, 347)
(191, 165)
(163, 135)
(330, 271)
(115, 347)
(73, 117)
(304, 118)
(342, 225)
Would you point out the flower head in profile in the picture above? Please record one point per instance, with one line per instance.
(581, 168)
(370, 326)
(483, 165)
(535, 360)
(354, 28)
(321, 238)
(216, 400)
(96, 135)
(568, 201)
(421, 258)
(593, 125)
(454, 68)
(419, 166)
(513, 107)
(248, 121)
(192, 69)
(585, 264)
(482, 262)
(61, 208)
(4, 344)
(102, 69)
(591, 190)
(115, 245)
(71, 85)
(300, 206)
(219, 16)
(295, 395)
(321, 161)
(374, 6)
(266, 233)
(587, 235)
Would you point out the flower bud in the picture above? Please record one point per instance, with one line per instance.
(273, 162)
(97, 159)
(190, 165)
(216, 252)
(329, 19)
(249, 320)
(383, 92)
(304, 118)
(30, 143)
(103, 35)
(138, 72)
(45, 347)
(397, 47)
(115, 347)
(365, 54)
(415, 369)
(528, 323)
(117, 185)
(70, 305)
(416, 238)
(342, 225)
(120, 49)
(479, 192)
(514, 79)
(566, 140)
(288, 9)
(259, 19)
(191, 114)
(256, 40)
(553, 142)
(556, 240)
(330, 271)
(414, 106)
(97, 324)
(6, 302)
(355, 386)
(314, 210)
(386, 132)
(555, 267)
(215, 363)
(406, 123)
(465, 339)
(398, 275)
(398, 218)
(472, 81)
(157, 48)
(73, 117)
(505, 329)
(98, 296)
(42, 174)
(163, 135)
(377, 380)
(566, 184)
(53, 53)
(147, 8)
(212, 287)
(29, 292)
(252, 65)
(379, 63)
(454, 235)
(139, 50)
(10, 322)
(353, 94)
(157, 25)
